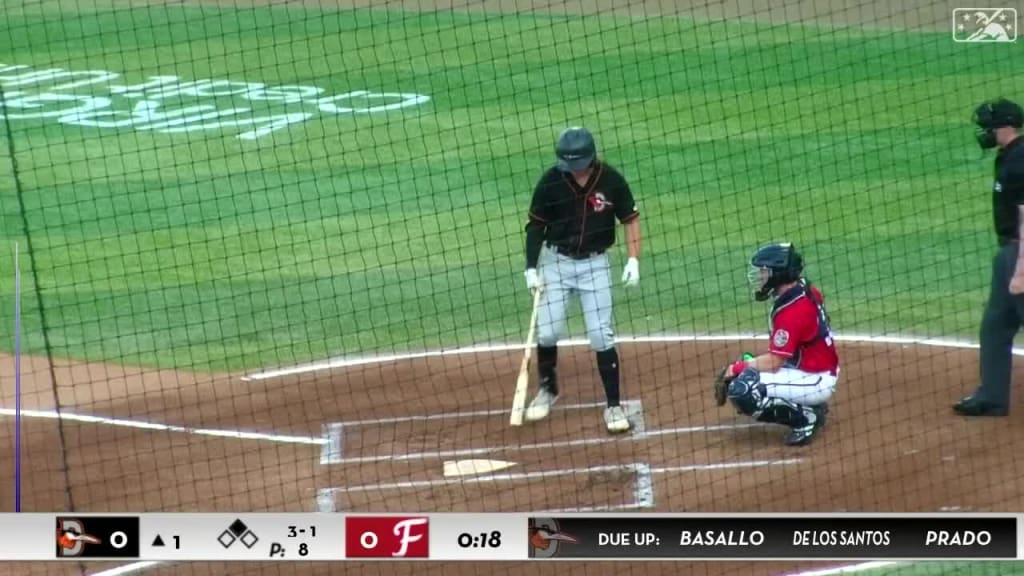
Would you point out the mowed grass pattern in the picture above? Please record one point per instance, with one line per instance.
(353, 234)
(942, 568)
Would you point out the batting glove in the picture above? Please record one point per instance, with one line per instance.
(532, 279)
(631, 274)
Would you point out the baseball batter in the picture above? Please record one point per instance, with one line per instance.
(571, 225)
(792, 383)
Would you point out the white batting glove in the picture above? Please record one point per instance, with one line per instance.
(631, 274)
(532, 279)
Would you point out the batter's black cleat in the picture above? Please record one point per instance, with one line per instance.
(802, 436)
(971, 406)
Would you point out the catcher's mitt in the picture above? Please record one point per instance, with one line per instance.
(722, 385)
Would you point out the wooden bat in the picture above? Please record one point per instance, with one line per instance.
(523, 381)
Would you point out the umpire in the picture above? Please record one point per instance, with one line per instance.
(999, 123)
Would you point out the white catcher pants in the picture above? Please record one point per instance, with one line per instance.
(799, 387)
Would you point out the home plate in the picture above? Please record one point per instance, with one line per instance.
(467, 467)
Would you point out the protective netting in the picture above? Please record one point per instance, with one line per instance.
(271, 255)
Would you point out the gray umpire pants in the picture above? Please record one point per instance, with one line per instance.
(564, 278)
(1004, 313)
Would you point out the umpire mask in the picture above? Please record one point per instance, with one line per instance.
(996, 114)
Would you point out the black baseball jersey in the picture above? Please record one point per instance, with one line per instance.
(579, 220)
(1008, 190)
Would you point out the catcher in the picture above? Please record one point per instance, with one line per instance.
(792, 383)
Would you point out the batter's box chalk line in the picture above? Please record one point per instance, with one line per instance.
(332, 450)
(643, 483)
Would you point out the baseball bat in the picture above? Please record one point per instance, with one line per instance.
(523, 380)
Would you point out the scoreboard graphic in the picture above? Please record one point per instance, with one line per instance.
(97, 537)
(273, 537)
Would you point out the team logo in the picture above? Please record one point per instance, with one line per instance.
(780, 338)
(984, 25)
(997, 187)
(97, 537)
(546, 538)
(72, 538)
(387, 537)
(598, 201)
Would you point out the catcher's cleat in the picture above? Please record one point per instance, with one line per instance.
(802, 436)
(615, 419)
(541, 405)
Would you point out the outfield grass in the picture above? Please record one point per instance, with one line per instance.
(353, 234)
(949, 569)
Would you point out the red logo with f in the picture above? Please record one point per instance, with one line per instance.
(387, 537)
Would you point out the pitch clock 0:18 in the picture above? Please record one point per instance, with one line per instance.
(490, 539)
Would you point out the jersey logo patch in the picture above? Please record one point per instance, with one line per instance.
(598, 201)
(780, 338)
(997, 187)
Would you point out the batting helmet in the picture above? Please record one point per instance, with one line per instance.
(575, 149)
(772, 266)
(994, 114)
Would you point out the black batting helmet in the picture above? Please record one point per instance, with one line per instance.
(575, 149)
(772, 266)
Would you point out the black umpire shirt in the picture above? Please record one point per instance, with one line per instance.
(1008, 190)
(577, 220)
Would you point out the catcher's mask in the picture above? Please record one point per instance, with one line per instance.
(772, 266)
(995, 114)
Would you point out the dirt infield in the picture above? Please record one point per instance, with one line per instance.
(354, 438)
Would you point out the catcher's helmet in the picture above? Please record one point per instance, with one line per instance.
(772, 266)
(994, 114)
(575, 149)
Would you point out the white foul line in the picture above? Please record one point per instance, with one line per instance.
(126, 569)
(143, 425)
(849, 569)
(345, 362)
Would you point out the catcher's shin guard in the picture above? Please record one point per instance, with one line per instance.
(746, 392)
(779, 411)
(750, 397)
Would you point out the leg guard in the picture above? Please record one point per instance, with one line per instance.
(608, 367)
(746, 392)
(748, 395)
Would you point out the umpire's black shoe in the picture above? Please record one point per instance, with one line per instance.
(971, 406)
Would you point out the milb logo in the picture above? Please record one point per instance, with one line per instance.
(387, 537)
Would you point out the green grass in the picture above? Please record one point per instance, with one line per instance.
(354, 234)
(941, 568)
